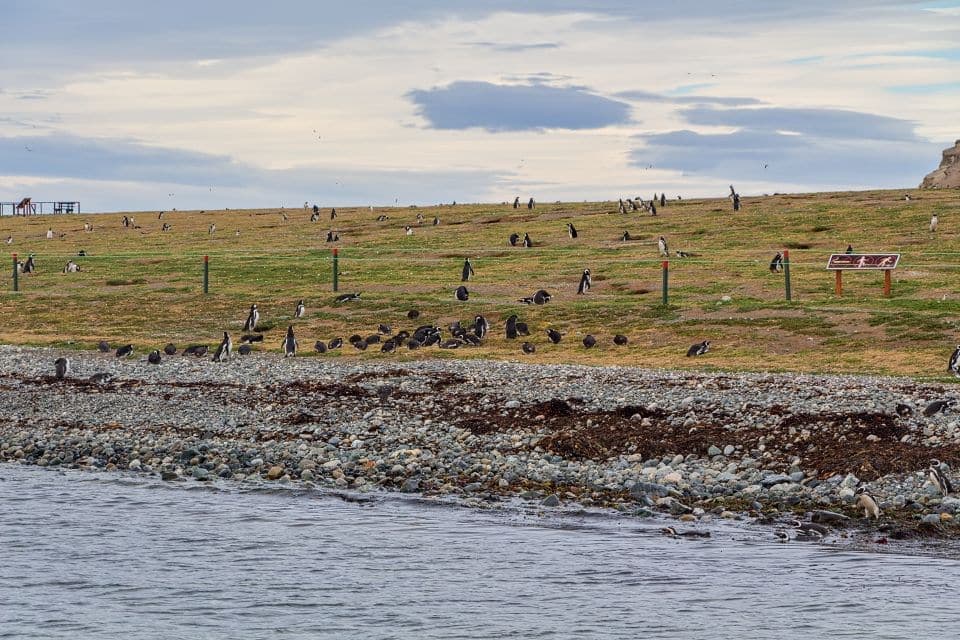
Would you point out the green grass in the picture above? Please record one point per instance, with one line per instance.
(144, 286)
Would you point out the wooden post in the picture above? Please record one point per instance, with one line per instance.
(786, 272)
(206, 274)
(886, 283)
(838, 287)
(666, 276)
(336, 270)
(16, 274)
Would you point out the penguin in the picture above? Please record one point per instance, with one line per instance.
(196, 350)
(939, 478)
(224, 349)
(572, 231)
(810, 530)
(336, 343)
(736, 202)
(514, 239)
(527, 242)
(29, 266)
(653, 208)
(62, 367)
(408, 230)
(781, 536)
(373, 338)
(333, 236)
(360, 345)
(686, 254)
(355, 338)
(937, 406)
(348, 297)
(166, 227)
(692, 533)
(170, 349)
(866, 502)
(620, 340)
(211, 229)
(333, 213)
(71, 267)
(450, 344)
(382, 218)
(252, 319)
(436, 220)
(516, 202)
(385, 329)
(289, 344)
(462, 294)
(252, 337)
(103, 346)
(625, 237)
(480, 327)
(540, 297)
(467, 270)
(154, 357)
(9, 240)
(528, 348)
(244, 349)
(589, 341)
(934, 221)
(954, 365)
(554, 336)
(420, 218)
(663, 200)
(388, 346)
(776, 265)
(413, 344)
(320, 347)
(314, 217)
(849, 249)
(523, 329)
(585, 282)
(300, 310)
(698, 349)
(413, 314)
(125, 351)
(49, 234)
(511, 327)
(621, 208)
(662, 245)
(531, 204)
(102, 378)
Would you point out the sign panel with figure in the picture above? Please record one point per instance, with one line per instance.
(863, 261)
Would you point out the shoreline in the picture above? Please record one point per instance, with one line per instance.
(689, 446)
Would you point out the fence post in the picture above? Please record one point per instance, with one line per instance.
(786, 272)
(16, 274)
(206, 274)
(336, 270)
(666, 275)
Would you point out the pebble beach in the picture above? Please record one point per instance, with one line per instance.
(688, 447)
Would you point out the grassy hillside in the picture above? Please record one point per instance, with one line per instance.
(142, 285)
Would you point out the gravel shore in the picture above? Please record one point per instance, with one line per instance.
(693, 446)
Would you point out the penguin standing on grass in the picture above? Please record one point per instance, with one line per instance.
(954, 365)
(467, 270)
(776, 265)
(462, 294)
(698, 349)
(572, 231)
(300, 310)
(289, 344)
(662, 245)
(585, 282)
(934, 221)
(252, 319)
(480, 327)
(527, 242)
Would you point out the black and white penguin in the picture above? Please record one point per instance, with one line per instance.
(530, 203)
(125, 351)
(686, 254)
(572, 231)
(211, 229)
(625, 237)
(523, 329)
(620, 340)
(480, 327)
(71, 267)
(554, 336)
(810, 530)
(540, 297)
(516, 202)
(698, 349)
(170, 349)
(467, 270)
(333, 213)
(663, 200)
(934, 221)
(514, 239)
(103, 346)
(224, 349)
(348, 297)
(320, 347)
(252, 319)
(29, 266)
(511, 327)
(736, 202)
(867, 502)
(373, 338)
(776, 265)
(385, 329)
(336, 343)
(244, 349)
(408, 230)
(388, 346)
(954, 365)
(937, 406)
(154, 357)
(413, 343)
(528, 347)
(527, 242)
(662, 245)
(333, 236)
(849, 249)
(382, 218)
(289, 344)
(300, 310)
(939, 478)
(315, 216)
(653, 208)
(585, 282)
(461, 294)
(197, 350)
(360, 345)
(589, 341)
(61, 367)
(413, 314)
(355, 338)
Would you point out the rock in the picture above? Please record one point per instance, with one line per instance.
(729, 449)
(775, 479)
(551, 501)
(931, 518)
(410, 485)
(199, 473)
(714, 451)
(134, 465)
(947, 175)
(275, 472)
(847, 495)
(673, 478)
(169, 475)
(307, 475)
(828, 517)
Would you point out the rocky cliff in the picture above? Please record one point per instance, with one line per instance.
(947, 175)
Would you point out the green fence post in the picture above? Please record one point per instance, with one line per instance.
(786, 272)
(666, 276)
(206, 274)
(16, 274)
(336, 270)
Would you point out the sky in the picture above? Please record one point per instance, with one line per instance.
(143, 105)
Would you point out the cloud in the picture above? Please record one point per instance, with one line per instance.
(822, 148)
(515, 47)
(503, 107)
(647, 96)
(926, 89)
(214, 181)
